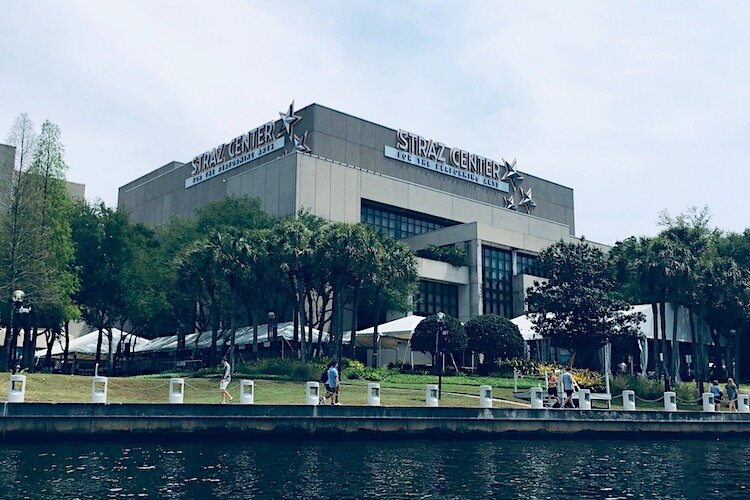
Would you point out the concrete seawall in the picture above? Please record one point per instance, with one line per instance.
(44, 421)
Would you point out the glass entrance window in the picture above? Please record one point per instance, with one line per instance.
(497, 285)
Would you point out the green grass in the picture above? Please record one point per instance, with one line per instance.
(149, 389)
(397, 390)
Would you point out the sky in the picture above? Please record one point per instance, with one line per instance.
(638, 106)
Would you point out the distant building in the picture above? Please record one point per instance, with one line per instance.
(415, 188)
(7, 170)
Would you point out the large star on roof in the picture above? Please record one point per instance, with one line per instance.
(511, 174)
(526, 200)
(288, 119)
(510, 202)
(300, 143)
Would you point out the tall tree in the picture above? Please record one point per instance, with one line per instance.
(577, 308)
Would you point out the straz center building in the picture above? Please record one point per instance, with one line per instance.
(347, 169)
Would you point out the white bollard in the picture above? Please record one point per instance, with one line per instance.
(373, 394)
(670, 401)
(743, 403)
(17, 389)
(99, 390)
(312, 393)
(708, 402)
(628, 400)
(247, 392)
(485, 396)
(537, 398)
(431, 395)
(176, 390)
(584, 399)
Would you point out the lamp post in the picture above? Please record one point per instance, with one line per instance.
(17, 303)
(438, 333)
(274, 328)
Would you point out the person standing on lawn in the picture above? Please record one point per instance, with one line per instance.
(225, 379)
(333, 386)
(569, 386)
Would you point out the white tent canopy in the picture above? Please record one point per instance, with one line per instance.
(86, 344)
(243, 336)
(390, 333)
(526, 327)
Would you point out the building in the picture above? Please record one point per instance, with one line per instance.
(415, 188)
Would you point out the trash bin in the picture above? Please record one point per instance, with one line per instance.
(176, 390)
(628, 400)
(485, 396)
(670, 401)
(247, 392)
(708, 402)
(99, 390)
(431, 395)
(743, 403)
(373, 394)
(584, 399)
(312, 391)
(17, 389)
(536, 398)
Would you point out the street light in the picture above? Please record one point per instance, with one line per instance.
(274, 326)
(17, 302)
(438, 333)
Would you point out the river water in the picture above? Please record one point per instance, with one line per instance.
(412, 468)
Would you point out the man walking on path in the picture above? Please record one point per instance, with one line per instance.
(569, 384)
(225, 379)
(334, 383)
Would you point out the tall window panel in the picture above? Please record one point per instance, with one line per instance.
(435, 297)
(497, 288)
(400, 223)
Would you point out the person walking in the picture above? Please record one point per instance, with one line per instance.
(569, 386)
(333, 385)
(554, 400)
(716, 391)
(225, 379)
(731, 390)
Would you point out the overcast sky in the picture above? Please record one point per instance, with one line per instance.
(637, 106)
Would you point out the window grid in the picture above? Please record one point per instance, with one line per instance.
(497, 289)
(529, 264)
(399, 223)
(435, 297)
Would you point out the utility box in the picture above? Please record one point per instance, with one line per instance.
(99, 390)
(247, 392)
(485, 396)
(176, 390)
(17, 389)
(312, 392)
(431, 395)
(373, 394)
(628, 400)
(584, 399)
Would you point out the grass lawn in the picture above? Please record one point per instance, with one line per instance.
(457, 391)
(396, 390)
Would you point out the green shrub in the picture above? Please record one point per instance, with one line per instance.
(686, 391)
(524, 366)
(285, 369)
(644, 388)
(357, 370)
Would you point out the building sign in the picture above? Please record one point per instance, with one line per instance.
(240, 150)
(246, 148)
(436, 156)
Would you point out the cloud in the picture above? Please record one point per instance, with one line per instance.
(638, 107)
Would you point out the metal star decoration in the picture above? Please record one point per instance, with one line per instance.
(288, 119)
(511, 174)
(510, 202)
(300, 143)
(527, 200)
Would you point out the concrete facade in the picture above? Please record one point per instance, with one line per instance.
(348, 167)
